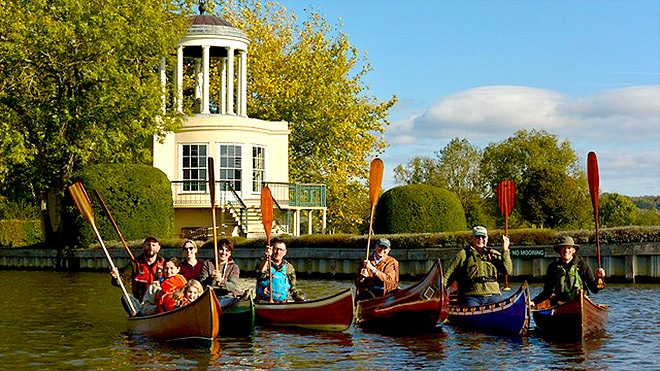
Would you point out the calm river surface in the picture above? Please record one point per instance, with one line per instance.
(57, 321)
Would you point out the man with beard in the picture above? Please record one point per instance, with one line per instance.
(145, 269)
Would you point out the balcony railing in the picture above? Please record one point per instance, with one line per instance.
(298, 195)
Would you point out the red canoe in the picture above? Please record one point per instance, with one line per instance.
(333, 313)
(419, 307)
(579, 318)
(198, 320)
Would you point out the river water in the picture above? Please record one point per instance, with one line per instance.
(58, 321)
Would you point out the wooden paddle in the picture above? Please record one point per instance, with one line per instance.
(267, 220)
(506, 194)
(375, 180)
(592, 175)
(114, 224)
(83, 204)
(212, 193)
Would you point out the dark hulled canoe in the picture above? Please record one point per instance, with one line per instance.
(508, 317)
(197, 320)
(333, 313)
(237, 318)
(579, 318)
(419, 307)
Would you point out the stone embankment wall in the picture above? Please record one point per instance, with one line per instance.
(631, 262)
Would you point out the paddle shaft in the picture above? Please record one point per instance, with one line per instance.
(375, 179)
(83, 204)
(212, 194)
(114, 224)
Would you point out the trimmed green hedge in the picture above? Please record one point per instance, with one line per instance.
(138, 196)
(20, 233)
(418, 208)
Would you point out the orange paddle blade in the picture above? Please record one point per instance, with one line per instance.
(81, 199)
(375, 179)
(267, 211)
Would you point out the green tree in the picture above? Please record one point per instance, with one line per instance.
(79, 85)
(309, 75)
(523, 157)
(616, 210)
(554, 200)
(456, 168)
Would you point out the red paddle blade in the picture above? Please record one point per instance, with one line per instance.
(375, 179)
(506, 194)
(592, 175)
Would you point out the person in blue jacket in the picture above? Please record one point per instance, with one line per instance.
(283, 276)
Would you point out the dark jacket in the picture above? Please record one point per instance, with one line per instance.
(141, 274)
(475, 273)
(554, 277)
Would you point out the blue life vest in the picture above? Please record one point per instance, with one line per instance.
(281, 286)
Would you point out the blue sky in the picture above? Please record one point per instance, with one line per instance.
(585, 71)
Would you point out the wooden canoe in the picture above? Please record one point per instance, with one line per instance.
(198, 320)
(579, 318)
(237, 319)
(419, 307)
(333, 313)
(508, 317)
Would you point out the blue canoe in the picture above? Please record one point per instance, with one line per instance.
(508, 317)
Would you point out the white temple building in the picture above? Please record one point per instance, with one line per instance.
(247, 153)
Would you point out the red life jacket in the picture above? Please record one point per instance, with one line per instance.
(144, 274)
(165, 300)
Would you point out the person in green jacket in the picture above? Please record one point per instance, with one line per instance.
(475, 269)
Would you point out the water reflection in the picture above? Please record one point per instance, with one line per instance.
(80, 324)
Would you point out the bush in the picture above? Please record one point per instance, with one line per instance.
(138, 196)
(418, 208)
(20, 233)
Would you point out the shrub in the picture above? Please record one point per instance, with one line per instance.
(138, 196)
(418, 208)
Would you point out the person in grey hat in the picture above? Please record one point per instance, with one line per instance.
(475, 269)
(379, 274)
(568, 275)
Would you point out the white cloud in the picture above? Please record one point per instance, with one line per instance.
(622, 126)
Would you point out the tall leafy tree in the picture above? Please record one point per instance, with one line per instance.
(616, 210)
(308, 74)
(420, 170)
(79, 84)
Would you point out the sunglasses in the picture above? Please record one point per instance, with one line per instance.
(189, 248)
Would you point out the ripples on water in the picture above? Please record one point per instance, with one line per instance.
(54, 321)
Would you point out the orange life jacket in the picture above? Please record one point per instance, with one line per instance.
(165, 300)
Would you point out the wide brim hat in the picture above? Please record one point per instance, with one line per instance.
(565, 241)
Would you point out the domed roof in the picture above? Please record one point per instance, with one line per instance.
(213, 26)
(209, 20)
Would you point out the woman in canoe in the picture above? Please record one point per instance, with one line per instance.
(567, 275)
(224, 279)
(159, 297)
(191, 267)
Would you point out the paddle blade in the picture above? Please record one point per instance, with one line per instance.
(506, 194)
(375, 179)
(81, 199)
(592, 175)
(267, 211)
(211, 181)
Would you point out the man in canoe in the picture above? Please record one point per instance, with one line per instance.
(378, 275)
(281, 277)
(567, 275)
(145, 269)
(475, 269)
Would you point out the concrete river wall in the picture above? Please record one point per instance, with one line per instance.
(630, 262)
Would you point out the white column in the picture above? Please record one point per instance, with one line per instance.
(163, 85)
(199, 81)
(223, 86)
(205, 90)
(230, 81)
(309, 221)
(179, 79)
(242, 84)
(325, 220)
